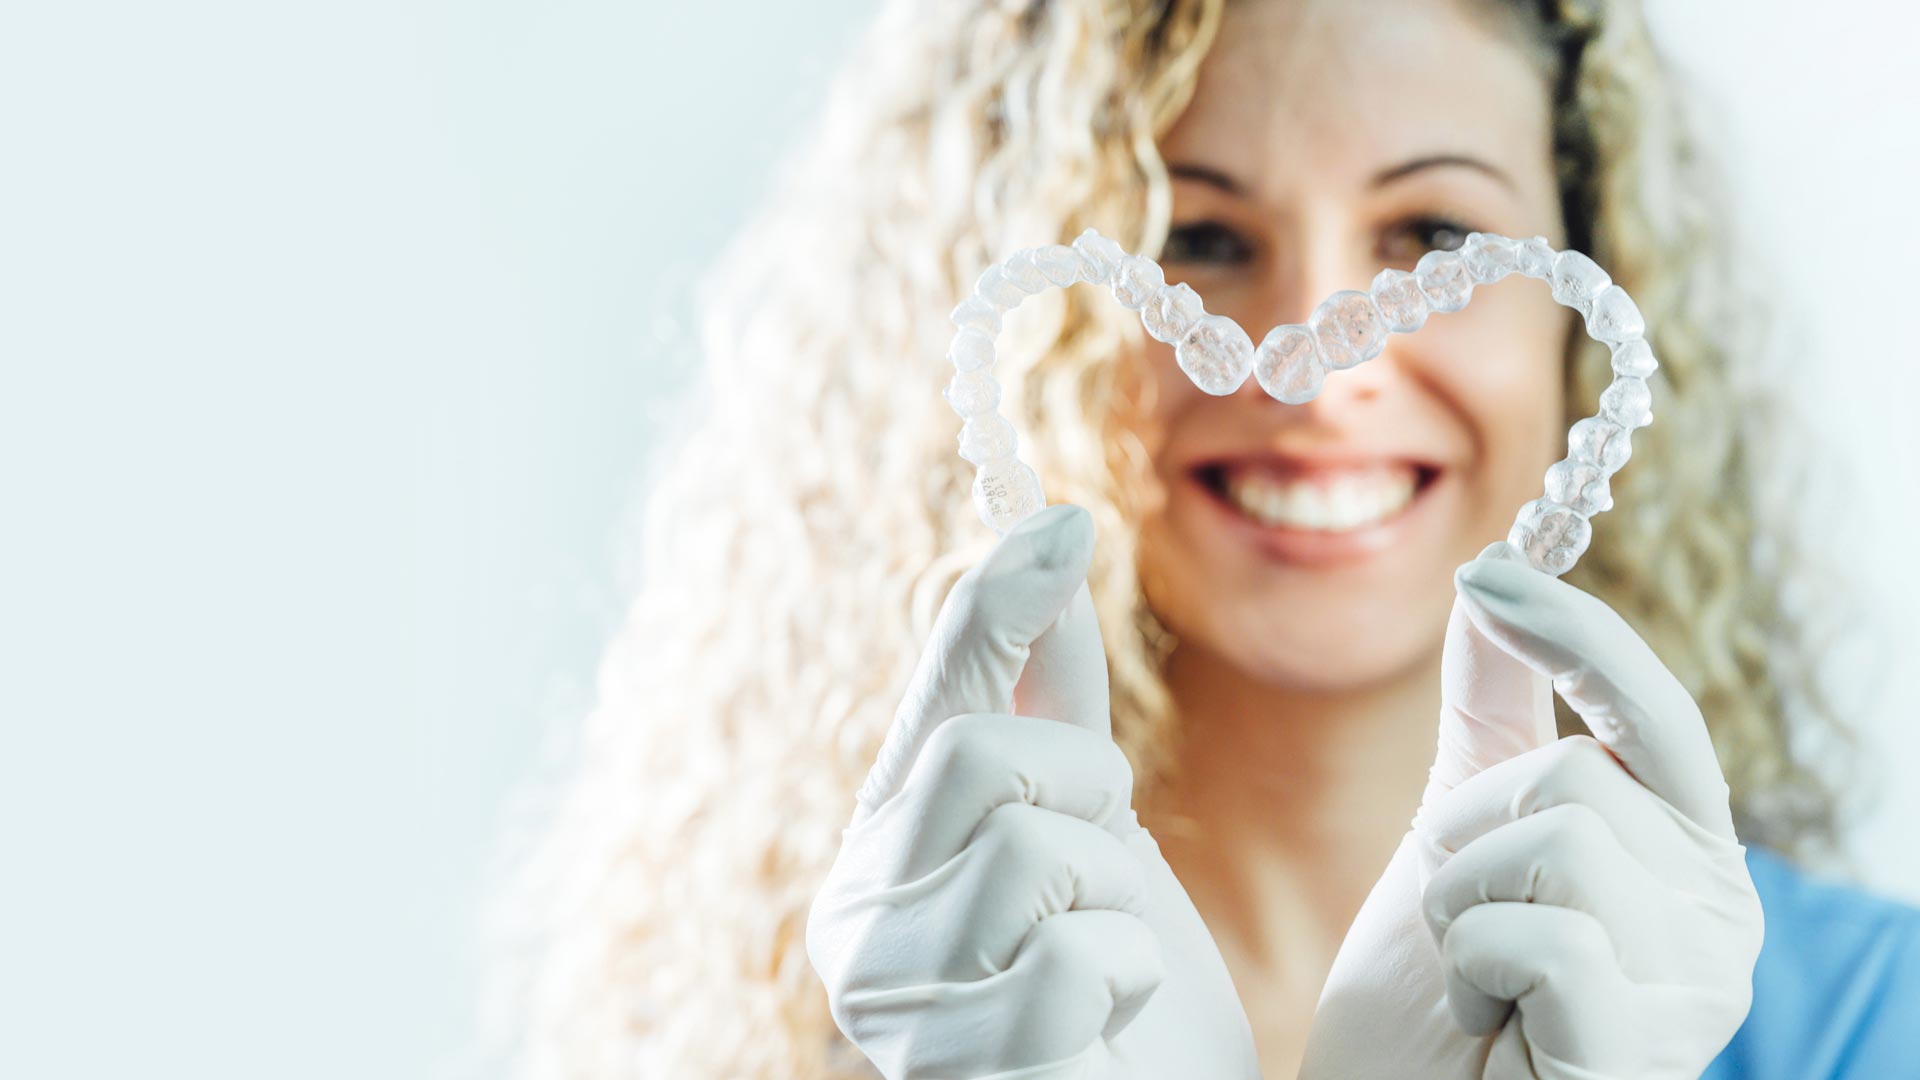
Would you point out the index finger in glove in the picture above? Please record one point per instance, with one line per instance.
(973, 764)
(1611, 677)
(1576, 770)
(1566, 856)
(1024, 608)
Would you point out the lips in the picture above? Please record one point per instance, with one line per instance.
(1318, 510)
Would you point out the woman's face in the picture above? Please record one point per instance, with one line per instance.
(1313, 546)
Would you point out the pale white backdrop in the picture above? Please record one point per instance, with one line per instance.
(332, 338)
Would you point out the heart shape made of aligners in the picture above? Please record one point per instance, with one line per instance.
(1291, 362)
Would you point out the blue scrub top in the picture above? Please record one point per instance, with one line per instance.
(1836, 992)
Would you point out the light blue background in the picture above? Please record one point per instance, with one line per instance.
(333, 336)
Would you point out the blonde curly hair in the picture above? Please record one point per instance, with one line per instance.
(801, 531)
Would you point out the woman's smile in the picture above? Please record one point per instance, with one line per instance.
(1316, 511)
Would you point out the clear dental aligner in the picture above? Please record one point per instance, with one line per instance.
(1291, 362)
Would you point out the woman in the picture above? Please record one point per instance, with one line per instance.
(1274, 663)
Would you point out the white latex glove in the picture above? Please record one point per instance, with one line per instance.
(1561, 907)
(996, 910)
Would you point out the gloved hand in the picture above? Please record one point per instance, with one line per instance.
(996, 910)
(1561, 908)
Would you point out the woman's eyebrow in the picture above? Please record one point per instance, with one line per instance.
(1431, 161)
(1206, 175)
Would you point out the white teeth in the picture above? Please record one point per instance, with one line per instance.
(1347, 501)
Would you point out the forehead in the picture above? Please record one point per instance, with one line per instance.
(1349, 87)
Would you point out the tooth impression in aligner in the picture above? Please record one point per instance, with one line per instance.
(1291, 364)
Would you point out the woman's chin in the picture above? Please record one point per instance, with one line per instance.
(1318, 641)
(1336, 665)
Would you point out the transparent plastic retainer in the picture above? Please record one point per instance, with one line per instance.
(1291, 363)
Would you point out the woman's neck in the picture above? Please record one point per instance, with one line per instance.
(1288, 804)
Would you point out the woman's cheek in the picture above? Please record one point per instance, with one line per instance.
(1502, 368)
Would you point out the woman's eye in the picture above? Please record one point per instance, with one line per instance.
(1414, 237)
(1205, 241)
